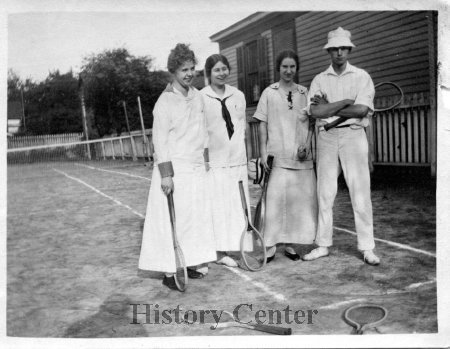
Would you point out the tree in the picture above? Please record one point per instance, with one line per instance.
(115, 76)
(53, 105)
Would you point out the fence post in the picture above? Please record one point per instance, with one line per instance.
(146, 147)
(133, 148)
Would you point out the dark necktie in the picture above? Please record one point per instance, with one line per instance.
(227, 117)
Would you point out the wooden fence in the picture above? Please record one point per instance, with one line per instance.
(132, 146)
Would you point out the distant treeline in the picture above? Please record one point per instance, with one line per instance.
(106, 80)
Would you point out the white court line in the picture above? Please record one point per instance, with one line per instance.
(339, 304)
(418, 284)
(260, 285)
(396, 244)
(101, 193)
(122, 173)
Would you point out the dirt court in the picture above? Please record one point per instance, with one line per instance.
(73, 243)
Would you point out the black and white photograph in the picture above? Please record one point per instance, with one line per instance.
(225, 174)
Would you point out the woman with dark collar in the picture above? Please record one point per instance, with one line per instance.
(285, 132)
(226, 122)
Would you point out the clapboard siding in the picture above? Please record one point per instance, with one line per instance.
(230, 53)
(268, 35)
(391, 46)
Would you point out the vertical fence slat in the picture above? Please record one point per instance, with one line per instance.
(390, 131)
(423, 137)
(396, 136)
(409, 133)
(416, 145)
(403, 136)
(379, 139)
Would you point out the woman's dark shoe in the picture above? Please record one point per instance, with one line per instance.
(170, 282)
(193, 274)
(292, 256)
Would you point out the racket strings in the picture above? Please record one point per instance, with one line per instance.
(253, 250)
(366, 315)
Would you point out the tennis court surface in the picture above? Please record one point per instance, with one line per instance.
(73, 241)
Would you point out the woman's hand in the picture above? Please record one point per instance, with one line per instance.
(167, 185)
(303, 152)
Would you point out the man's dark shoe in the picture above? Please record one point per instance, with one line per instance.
(194, 274)
(170, 282)
(270, 259)
(292, 256)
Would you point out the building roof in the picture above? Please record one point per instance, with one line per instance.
(239, 25)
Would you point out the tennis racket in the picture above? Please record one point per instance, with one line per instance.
(227, 319)
(364, 316)
(253, 248)
(260, 211)
(383, 88)
(181, 278)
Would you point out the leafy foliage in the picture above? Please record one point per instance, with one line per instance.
(113, 77)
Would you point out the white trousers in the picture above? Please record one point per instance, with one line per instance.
(346, 149)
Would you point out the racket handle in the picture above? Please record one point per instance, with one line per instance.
(270, 161)
(273, 329)
(334, 123)
(243, 201)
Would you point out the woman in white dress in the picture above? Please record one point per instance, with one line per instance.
(180, 138)
(225, 118)
(285, 132)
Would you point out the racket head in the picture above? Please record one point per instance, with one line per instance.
(392, 93)
(181, 277)
(364, 316)
(253, 249)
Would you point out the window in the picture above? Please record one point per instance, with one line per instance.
(252, 69)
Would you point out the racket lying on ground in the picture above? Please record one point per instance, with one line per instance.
(181, 278)
(364, 316)
(253, 248)
(388, 89)
(260, 211)
(227, 319)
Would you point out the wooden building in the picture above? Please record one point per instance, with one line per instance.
(398, 47)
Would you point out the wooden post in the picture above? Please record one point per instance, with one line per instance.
(83, 114)
(126, 116)
(146, 147)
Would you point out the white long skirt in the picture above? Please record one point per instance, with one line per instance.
(193, 221)
(291, 207)
(227, 212)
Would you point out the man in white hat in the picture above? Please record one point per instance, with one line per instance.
(342, 90)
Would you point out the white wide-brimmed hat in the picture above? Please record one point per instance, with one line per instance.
(339, 38)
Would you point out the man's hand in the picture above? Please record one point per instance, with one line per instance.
(167, 185)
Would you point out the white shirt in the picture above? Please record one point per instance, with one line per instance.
(179, 127)
(223, 151)
(287, 128)
(354, 83)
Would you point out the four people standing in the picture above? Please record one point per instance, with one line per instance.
(194, 132)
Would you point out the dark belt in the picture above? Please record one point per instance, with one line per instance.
(343, 126)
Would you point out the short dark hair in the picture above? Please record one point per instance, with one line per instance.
(212, 60)
(178, 56)
(287, 54)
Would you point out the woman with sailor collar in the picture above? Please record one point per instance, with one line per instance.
(226, 122)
